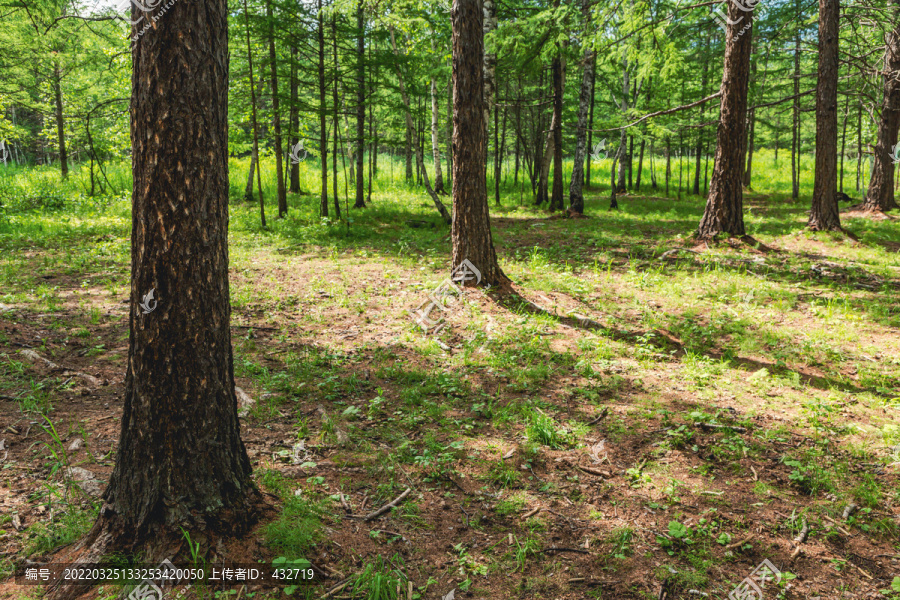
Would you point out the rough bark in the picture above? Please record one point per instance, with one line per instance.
(795, 133)
(180, 459)
(724, 205)
(576, 189)
(880, 195)
(824, 214)
(471, 227)
(276, 117)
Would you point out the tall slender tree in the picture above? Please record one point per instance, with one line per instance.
(576, 193)
(360, 103)
(276, 115)
(824, 215)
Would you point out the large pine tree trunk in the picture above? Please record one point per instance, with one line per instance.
(471, 228)
(60, 122)
(880, 195)
(360, 104)
(276, 117)
(724, 205)
(576, 191)
(180, 460)
(824, 214)
(323, 108)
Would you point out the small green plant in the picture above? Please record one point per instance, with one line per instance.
(679, 536)
(543, 429)
(380, 580)
(621, 539)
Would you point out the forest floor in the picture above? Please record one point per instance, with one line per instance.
(725, 396)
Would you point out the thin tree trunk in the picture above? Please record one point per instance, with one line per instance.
(724, 206)
(335, 118)
(360, 104)
(590, 140)
(60, 122)
(844, 142)
(880, 194)
(859, 148)
(409, 126)
(585, 110)
(637, 183)
(435, 146)
(795, 139)
(248, 189)
(262, 208)
(323, 111)
(294, 123)
(276, 116)
(824, 214)
(556, 198)
(489, 24)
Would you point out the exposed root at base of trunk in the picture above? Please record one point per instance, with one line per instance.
(159, 542)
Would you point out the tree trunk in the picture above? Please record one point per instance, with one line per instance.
(556, 198)
(748, 172)
(409, 127)
(323, 110)
(546, 160)
(724, 205)
(360, 104)
(637, 182)
(262, 207)
(248, 190)
(294, 123)
(409, 144)
(859, 148)
(180, 459)
(623, 140)
(471, 228)
(276, 116)
(590, 140)
(880, 195)
(335, 118)
(490, 68)
(60, 122)
(576, 192)
(824, 214)
(795, 136)
(844, 143)
(435, 146)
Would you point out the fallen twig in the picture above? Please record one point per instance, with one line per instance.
(388, 506)
(556, 549)
(602, 416)
(851, 508)
(531, 513)
(740, 543)
(804, 532)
